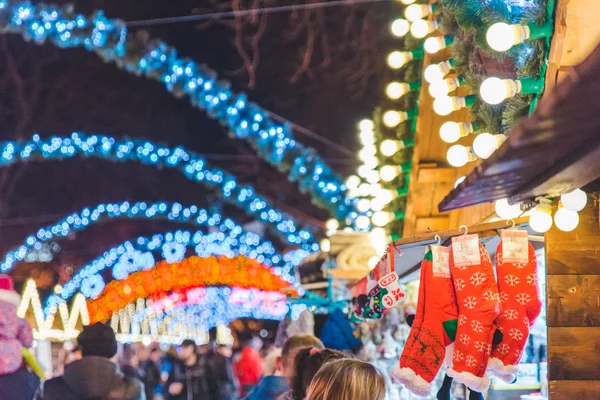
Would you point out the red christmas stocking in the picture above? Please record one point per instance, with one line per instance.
(478, 307)
(425, 349)
(521, 305)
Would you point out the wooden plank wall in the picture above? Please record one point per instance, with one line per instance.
(573, 314)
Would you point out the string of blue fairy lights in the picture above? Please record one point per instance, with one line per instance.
(89, 216)
(190, 164)
(154, 59)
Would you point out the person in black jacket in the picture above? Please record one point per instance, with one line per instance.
(151, 373)
(95, 376)
(223, 371)
(191, 377)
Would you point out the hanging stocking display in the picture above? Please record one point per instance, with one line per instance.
(478, 305)
(425, 348)
(516, 267)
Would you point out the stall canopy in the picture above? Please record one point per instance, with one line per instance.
(554, 151)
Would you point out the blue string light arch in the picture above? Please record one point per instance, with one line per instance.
(83, 219)
(133, 256)
(193, 166)
(154, 59)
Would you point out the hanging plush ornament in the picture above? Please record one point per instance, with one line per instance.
(432, 326)
(516, 266)
(477, 297)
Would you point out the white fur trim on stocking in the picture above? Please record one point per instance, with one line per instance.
(508, 378)
(10, 296)
(449, 355)
(475, 383)
(412, 381)
(496, 367)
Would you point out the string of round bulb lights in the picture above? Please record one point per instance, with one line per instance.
(154, 59)
(188, 273)
(194, 167)
(131, 257)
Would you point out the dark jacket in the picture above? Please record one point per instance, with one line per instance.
(269, 388)
(21, 384)
(223, 372)
(150, 377)
(338, 333)
(199, 382)
(92, 378)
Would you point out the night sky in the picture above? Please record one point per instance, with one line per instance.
(52, 91)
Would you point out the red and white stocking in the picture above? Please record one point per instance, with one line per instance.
(521, 305)
(478, 307)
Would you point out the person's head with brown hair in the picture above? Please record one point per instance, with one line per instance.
(307, 363)
(347, 379)
(285, 363)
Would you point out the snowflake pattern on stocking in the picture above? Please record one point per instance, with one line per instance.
(523, 298)
(480, 346)
(485, 257)
(470, 361)
(464, 338)
(511, 314)
(459, 284)
(477, 278)
(532, 279)
(462, 319)
(515, 334)
(525, 321)
(520, 265)
(503, 297)
(477, 326)
(490, 295)
(511, 280)
(504, 349)
(458, 355)
(517, 354)
(470, 302)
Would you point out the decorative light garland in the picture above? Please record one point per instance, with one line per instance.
(190, 164)
(44, 325)
(131, 257)
(188, 314)
(191, 272)
(154, 59)
(93, 215)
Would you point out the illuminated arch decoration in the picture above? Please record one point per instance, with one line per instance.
(194, 167)
(133, 256)
(239, 272)
(190, 313)
(156, 60)
(45, 327)
(141, 210)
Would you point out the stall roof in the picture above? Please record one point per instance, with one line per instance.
(555, 150)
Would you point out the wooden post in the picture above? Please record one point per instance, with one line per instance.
(573, 315)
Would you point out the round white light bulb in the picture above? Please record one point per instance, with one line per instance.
(352, 182)
(375, 189)
(419, 28)
(367, 152)
(507, 211)
(367, 138)
(362, 222)
(575, 200)
(500, 36)
(485, 144)
(443, 105)
(493, 90)
(457, 155)
(373, 261)
(373, 177)
(325, 245)
(388, 173)
(389, 147)
(407, 2)
(363, 205)
(439, 88)
(459, 181)
(540, 221)
(432, 73)
(381, 218)
(386, 196)
(366, 125)
(391, 118)
(566, 220)
(397, 59)
(364, 189)
(415, 12)
(377, 204)
(450, 132)
(332, 224)
(433, 44)
(395, 90)
(400, 27)
(363, 171)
